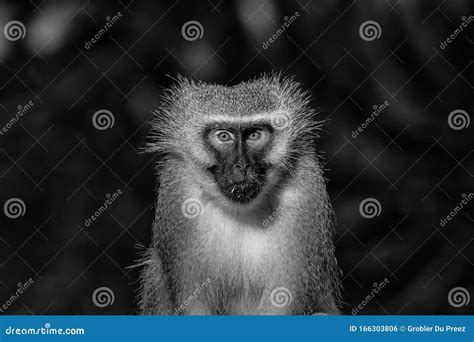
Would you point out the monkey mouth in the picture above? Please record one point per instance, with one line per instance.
(243, 191)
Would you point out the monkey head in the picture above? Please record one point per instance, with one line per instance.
(237, 141)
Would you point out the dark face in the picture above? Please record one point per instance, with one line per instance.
(240, 171)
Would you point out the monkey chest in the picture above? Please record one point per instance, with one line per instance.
(232, 245)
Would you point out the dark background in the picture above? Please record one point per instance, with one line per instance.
(409, 158)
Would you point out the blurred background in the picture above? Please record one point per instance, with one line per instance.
(78, 79)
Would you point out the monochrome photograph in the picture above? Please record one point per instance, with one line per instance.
(236, 158)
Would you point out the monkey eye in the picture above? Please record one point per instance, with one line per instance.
(223, 137)
(254, 136)
(257, 137)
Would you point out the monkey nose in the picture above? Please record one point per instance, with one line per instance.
(241, 166)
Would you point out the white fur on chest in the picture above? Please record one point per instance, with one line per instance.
(235, 242)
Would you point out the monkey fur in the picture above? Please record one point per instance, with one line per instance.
(221, 259)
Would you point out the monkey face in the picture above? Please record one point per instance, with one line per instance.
(240, 170)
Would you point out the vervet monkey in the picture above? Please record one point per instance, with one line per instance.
(231, 158)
